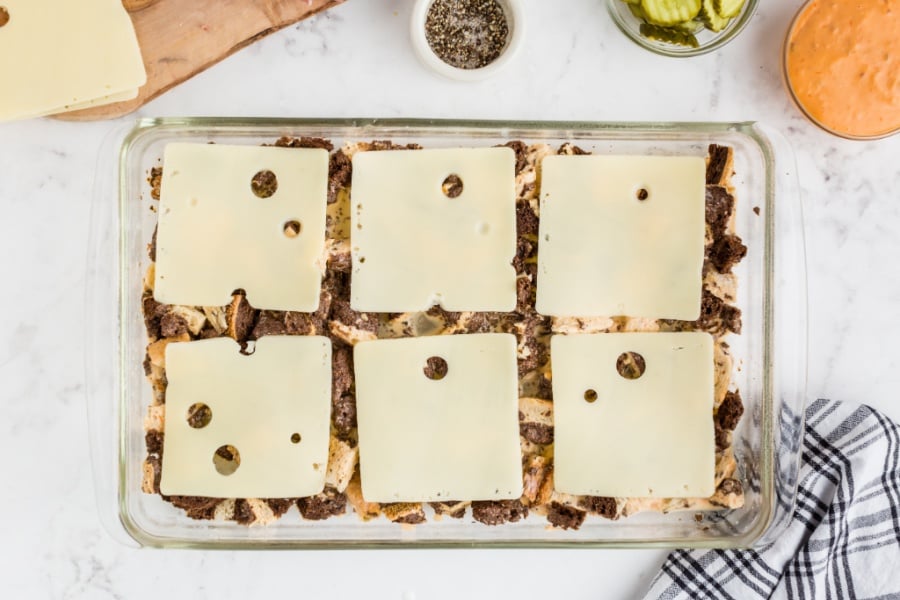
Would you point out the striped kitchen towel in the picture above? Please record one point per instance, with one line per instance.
(843, 540)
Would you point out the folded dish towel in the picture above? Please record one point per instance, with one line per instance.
(843, 540)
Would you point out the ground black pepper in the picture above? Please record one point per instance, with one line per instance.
(467, 34)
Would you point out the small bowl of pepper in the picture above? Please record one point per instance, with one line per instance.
(467, 40)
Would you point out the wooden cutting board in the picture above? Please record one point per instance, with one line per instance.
(180, 38)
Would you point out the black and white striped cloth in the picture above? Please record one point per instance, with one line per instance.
(843, 540)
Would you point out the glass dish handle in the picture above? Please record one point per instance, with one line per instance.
(102, 338)
(790, 331)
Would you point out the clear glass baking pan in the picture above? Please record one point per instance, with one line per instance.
(770, 353)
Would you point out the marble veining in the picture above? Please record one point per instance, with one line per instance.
(356, 60)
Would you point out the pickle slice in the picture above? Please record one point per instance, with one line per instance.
(692, 26)
(728, 8)
(637, 11)
(670, 12)
(668, 34)
(711, 17)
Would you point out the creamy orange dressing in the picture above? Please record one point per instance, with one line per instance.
(842, 62)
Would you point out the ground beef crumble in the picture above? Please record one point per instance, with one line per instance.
(344, 415)
(321, 506)
(521, 151)
(526, 294)
(340, 171)
(526, 221)
(243, 513)
(730, 411)
(154, 442)
(717, 316)
(279, 506)
(155, 181)
(497, 512)
(153, 312)
(565, 517)
(725, 252)
(304, 142)
(195, 507)
(537, 433)
(604, 506)
(716, 168)
(172, 325)
(719, 208)
(269, 322)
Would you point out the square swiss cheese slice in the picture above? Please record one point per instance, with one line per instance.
(242, 426)
(647, 433)
(438, 418)
(621, 236)
(241, 217)
(434, 227)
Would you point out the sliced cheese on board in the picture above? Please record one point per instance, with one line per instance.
(60, 56)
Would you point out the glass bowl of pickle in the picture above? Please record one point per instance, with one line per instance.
(681, 27)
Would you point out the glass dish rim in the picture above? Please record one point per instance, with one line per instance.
(359, 127)
(720, 40)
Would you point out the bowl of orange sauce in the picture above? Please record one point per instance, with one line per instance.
(842, 66)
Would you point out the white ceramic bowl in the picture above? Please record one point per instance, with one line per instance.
(515, 19)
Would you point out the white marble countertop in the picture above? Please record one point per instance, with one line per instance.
(356, 61)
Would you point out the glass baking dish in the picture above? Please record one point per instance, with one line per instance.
(769, 354)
